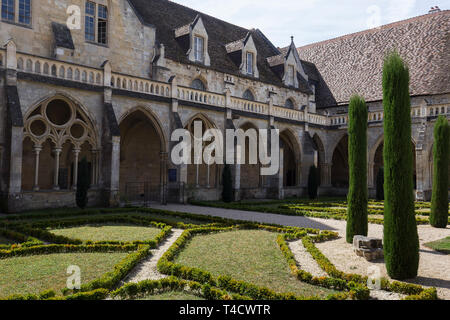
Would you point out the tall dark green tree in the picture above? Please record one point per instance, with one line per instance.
(313, 182)
(227, 183)
(441, 151)
(401, 241)
(357, 220)
(83, 184)
(380, 185)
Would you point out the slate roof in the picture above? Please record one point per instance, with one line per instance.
(353, 63)
(167, 16)
(62, 35)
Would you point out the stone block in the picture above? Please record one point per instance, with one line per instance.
(369, 248)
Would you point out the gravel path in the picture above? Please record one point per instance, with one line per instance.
(294, 221)
(434, 268)
(147, 270)
(304, 260)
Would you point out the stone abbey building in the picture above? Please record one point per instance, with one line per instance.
(110, 80)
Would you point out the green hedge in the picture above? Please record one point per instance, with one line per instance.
(98, 294)
(37, 229)
(355, 290)
(153, 287)
(22, 239)
(166, 266)
(110, 279)
(65, 248)
(395, 286)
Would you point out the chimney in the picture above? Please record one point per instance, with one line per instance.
(434, 9)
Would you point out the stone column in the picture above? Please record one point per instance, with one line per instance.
(110, 156)
(95, 167)
(236, 171)
(37, 150)
(370, 174)
(163, 176)
(280, 184)
(325, 175)
(57, 152)
(76, 153)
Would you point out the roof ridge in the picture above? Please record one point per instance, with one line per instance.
(385, 26)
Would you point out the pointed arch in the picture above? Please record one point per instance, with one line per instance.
(202, 175)
(199, 83)
(339, 167)
(142, 166)
(249, 94)
(290, 103)
(56, 128)
(291, 158)
(154, 120)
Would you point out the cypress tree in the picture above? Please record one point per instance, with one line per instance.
(83, 184)
(227, 182)
(401, 241)
(313, 182)
(441, 149)
(357, 220)
(380, 185)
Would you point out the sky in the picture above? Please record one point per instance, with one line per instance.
(312, 21)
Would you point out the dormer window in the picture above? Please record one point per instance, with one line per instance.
(244, 55)
(193, 38)
(291, 73)
(199, 47)
(250, 59)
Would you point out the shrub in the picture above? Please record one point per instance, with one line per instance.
(439, 202)
(227, 182)
(313, 182)
(83, 184)
(380, 185)
(401, 241)
(357, 223)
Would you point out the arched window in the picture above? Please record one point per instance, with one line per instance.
(248, 95)
(289, 104)
(198, 85)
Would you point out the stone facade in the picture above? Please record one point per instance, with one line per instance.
(117, 103)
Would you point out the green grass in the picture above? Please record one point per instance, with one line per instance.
(174, 295)
(6, 241)
(440, 245)
(34, 274)
(109, 232)
(248, 255)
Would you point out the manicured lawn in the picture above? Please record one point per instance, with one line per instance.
(176, 295)
(5, 241)
(248, 255)
(109, 232)
(34, 274)
(440, 245)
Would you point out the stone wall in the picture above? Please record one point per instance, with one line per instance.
(130, 46)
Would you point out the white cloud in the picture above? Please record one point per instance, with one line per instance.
(310, 20)
(400, 9)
